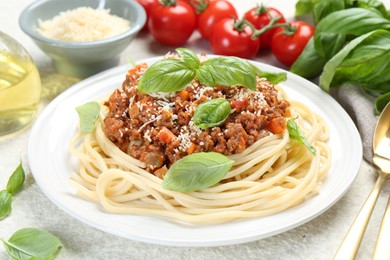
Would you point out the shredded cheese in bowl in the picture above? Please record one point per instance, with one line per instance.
(83, 24)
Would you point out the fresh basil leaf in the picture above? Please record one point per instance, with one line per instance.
(211, 113)
(168, 75)
(304, 6)
(368, 64)
(273, 77)
(295, 133)
(197, 171)
(189, 57)
(227, 71)
(88, 114)
(365, 61)
(33, 243)
(5, 203)
(333, 31)
(381, 102)
(16, 180)
(373, 4)
(309, 64)
(323, 8)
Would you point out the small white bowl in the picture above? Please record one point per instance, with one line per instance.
(82, 59)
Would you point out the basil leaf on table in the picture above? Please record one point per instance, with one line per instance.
(211, 113)
(16, 180)
(168, 75)
(189, 57)
(333, 31)
(197, 171)
(5, 203)
(365, 61)
(33, 243)
(227, 71)
(88, 114)
(309, 64)
(295, 133)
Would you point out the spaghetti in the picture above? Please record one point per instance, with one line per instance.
(273, 174)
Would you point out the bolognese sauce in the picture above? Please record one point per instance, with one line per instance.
(158, 128)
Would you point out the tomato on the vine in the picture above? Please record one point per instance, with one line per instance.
(234, 38)
(172, 22)
(261, 16)
(289, 41)
(214, 11)
(147, 5)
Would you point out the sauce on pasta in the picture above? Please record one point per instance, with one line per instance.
(158, 129)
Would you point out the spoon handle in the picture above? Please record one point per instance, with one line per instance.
(382, 248)
(350, 245)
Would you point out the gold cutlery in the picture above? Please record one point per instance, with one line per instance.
(381, 147)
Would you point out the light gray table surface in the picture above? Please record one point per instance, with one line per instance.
(316, 239)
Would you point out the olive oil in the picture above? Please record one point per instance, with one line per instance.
(20, 90)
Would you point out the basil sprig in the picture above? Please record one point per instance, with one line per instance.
(332, 31)
(197, 171)
(26, 243)
(211, 113)
(88, 114)
(174, 74)
(349, 46)
(331, 35)
(32, 243)
(364, 61)
(14, 184)
(296, 134)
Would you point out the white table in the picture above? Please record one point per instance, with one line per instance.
(317, 239)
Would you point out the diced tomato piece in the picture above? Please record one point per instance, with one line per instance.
(191, 148)
(239, 104)
(277, 125)
(184, 95)
(166, 136)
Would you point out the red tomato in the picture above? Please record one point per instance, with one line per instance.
(288, 44)
(261, 16)
(233, 39)
(215, 11)
(147, 5)
(172, 24)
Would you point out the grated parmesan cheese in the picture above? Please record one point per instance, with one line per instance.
(83, 24)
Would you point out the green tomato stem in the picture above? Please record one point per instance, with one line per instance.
(288, 28)
(168, 2)
(199, 5)
(260, 9)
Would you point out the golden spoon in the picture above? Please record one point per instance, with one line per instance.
(381, 146)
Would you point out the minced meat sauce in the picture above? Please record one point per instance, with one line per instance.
(158, 128)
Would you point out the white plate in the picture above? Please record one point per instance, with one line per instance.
(51, 164)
